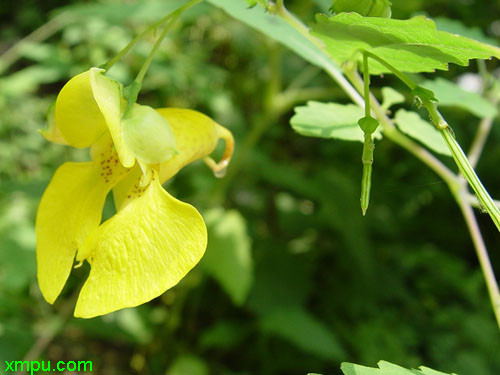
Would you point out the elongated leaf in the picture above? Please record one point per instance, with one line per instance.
(277, 29)
(450, 94)
(386, 368)
(413, 45)
(412, 124)
(228, 258)
(329, 120)
(302, 329)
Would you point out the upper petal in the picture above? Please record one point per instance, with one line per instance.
(146, 248)
(77, 115)
(107, 94)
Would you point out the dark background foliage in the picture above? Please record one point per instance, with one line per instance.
(325, 285)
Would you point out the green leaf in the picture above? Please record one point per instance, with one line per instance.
(304, 330)
(412, 124)
(386, 368)
(367, 8)
(228, 258)
(391, 97)
(277, 29)
(188, 364)
(262, 3)
(413, 45)
(329, 120)
(450, 94)
(457, 27)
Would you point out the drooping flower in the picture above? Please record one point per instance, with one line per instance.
(153, 240)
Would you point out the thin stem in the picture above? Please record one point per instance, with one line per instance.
(472, 199)
(399, 138)
(463, 163)
(407, 81)
(175, 14)
(458, 155)
(149, 59)
(479, 141)
(482, 255)
(366, 85)
(135, 87)
(421, 153)
(329, 66)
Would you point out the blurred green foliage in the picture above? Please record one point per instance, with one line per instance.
(294, 279)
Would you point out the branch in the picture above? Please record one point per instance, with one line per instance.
(481, 252)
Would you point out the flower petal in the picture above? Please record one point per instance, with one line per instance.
(145, 249)
(77, 114)
(107, 94)
(196, 136)
(70, 209)
(52, 133)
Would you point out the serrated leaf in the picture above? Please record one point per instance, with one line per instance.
(386, 368)
(329, 120)
(304, 330)
(228, 256)
(367, 8)
(450, 94)
(391, 97)
(413, 45)
(457, 27)
(413, 125)
(276, 28)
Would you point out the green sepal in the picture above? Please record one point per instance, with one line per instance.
(368, 124)
(149, 135)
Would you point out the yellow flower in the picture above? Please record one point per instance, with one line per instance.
(154, 240)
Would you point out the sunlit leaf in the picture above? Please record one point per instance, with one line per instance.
(329, 120)
(413, 45)
(450, 94)
(457, 27)
(386, 368)
(412, 124)
(277, 29)
(368, 8)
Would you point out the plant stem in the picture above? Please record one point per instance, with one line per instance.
(458, 155)
(463, 163)
(482, 254)
(483, 131)
(175, 14)
(366, 85)
(329, 66)
(135, 87)
(399, 138)
(461, 195)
